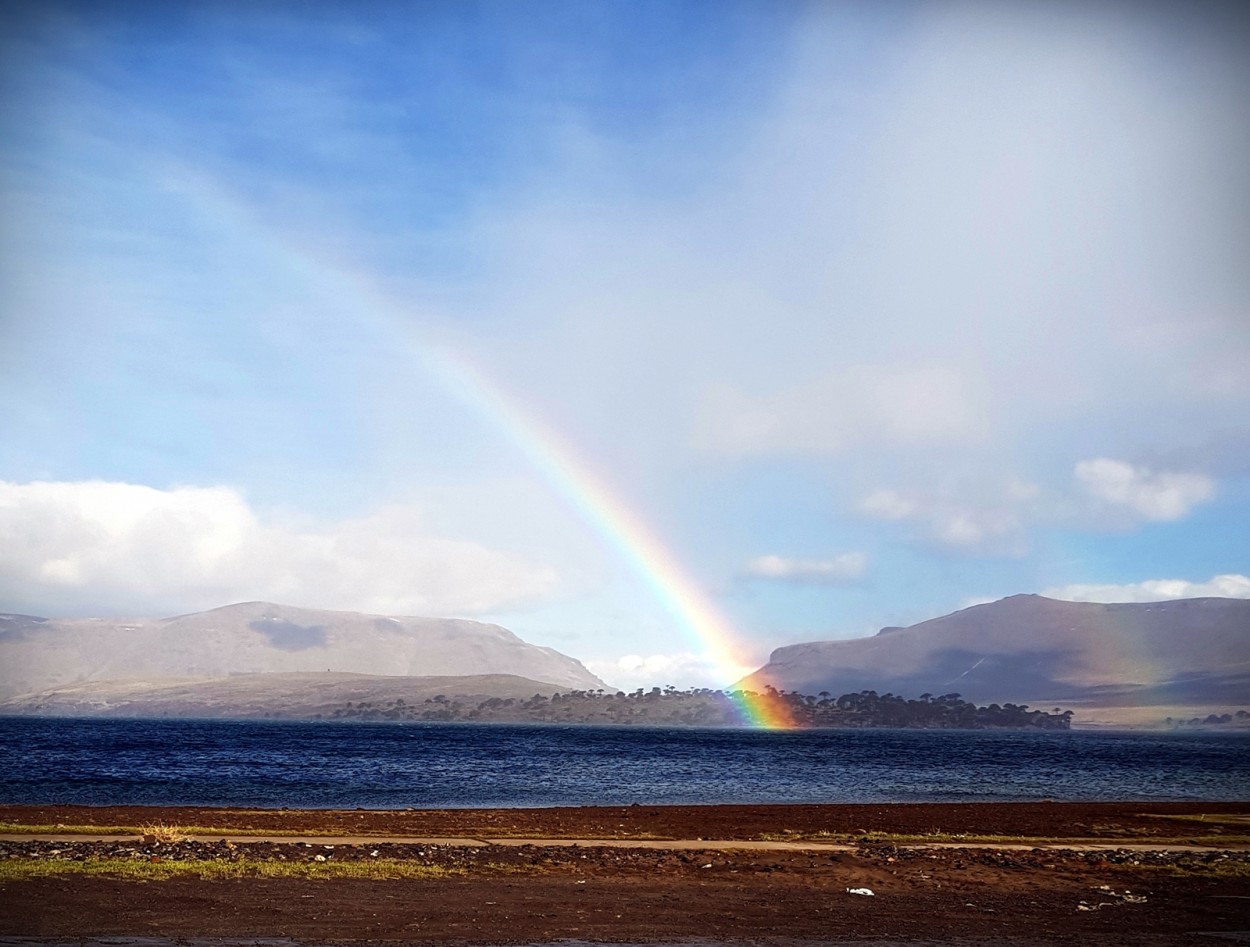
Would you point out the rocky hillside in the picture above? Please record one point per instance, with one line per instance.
(1026, 648)
(38, 654)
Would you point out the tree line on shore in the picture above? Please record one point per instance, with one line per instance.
(703, 707)
(1240, 718)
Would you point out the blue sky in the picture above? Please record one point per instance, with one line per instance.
(868, 310)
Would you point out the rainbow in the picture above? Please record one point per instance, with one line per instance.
(636, 544)
(554, 460)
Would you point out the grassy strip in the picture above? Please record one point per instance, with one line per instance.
(1207, 818)
(19, 828)
(21, 869)
(25, 828)
(1229, 868)
(166, 832)
(59, 828)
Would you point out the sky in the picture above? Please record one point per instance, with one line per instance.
(662, 333)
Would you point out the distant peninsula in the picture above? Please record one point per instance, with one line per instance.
(505, 698)
(701, 707)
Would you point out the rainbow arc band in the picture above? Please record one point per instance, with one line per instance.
(552, 459)
(571, 478)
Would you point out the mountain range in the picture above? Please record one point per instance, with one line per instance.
(1098, 659)
(38, 654)
(1123, 663)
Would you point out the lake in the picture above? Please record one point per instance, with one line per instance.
(327, 765)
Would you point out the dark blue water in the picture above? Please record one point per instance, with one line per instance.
(105, 762)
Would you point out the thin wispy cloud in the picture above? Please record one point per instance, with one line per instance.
(844, 568)
(854, 407)
(990, 521)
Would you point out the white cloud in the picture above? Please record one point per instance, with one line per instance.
(968, 529)
(993, 517)
(683, 670)
(1230, 585)
(847, 567)
(96, 547)
(888, 505)
(861, 404)
(1156, 496)
(992, 526)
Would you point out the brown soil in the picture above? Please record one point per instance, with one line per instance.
(1101, 820)
(534, 894)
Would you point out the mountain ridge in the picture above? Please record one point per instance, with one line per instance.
(1184, 652)
(39, 654)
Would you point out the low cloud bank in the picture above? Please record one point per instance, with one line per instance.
(97, 547)
(683, 670)
(1230, 585)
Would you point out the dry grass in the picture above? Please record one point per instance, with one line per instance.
(28, 828)
(166, 834)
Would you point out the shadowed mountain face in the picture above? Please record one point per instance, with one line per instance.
(38, 654)
(1040, 651)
